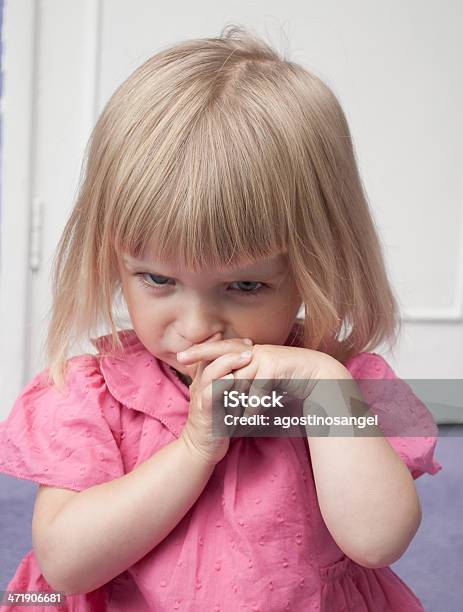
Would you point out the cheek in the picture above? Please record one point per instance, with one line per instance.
(148, 325)
(137, 304)
(150, 316)
(144, 312)
(269, 328)
(275, 322)
(145, 316)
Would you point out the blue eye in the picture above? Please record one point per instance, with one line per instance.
(250, 290)
(158, 282)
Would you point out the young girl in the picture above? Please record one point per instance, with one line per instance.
(221, 196)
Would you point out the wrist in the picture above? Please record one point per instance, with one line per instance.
(195, 455)
(333, 369)
(336, 398)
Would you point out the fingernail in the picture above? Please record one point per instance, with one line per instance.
(247, 341)
(245, 354)
(181, 355)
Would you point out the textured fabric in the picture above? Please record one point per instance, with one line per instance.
(255, 538)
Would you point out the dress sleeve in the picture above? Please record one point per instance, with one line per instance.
(406, 422)
(62, 440)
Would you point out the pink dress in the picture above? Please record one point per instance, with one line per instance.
(254, 540)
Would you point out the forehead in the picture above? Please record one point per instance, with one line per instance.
(272, 264)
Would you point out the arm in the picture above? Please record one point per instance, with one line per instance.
(102, 531)
(366, 493)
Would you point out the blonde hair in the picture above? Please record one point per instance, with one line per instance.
(223, 149)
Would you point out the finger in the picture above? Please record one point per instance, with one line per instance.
(261, 401)
(192, 368)
(244, 376)
(232, 405)
(219, 412)
(255, 394)
(261, 387)
(217, 369)
(212, 379)
(210, 351)
(224, 365)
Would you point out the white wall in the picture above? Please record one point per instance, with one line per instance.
(395, 67)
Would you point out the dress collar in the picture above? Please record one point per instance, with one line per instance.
(143, 382)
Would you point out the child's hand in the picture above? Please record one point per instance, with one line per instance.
(197, 432)
(300, 367)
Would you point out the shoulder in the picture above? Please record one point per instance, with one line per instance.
(63, 438)
(84, 403)
(82, 376)
(369, 365)
(42, 402)
(404, 418)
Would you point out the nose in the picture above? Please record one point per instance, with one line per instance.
(198, 326)
(198, 338)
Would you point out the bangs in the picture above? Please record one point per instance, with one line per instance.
(212, 152)
(217, 195)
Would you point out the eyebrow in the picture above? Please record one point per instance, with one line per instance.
(274, 268)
